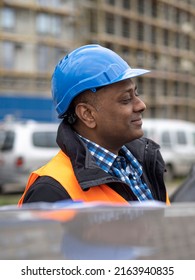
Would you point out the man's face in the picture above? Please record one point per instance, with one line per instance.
(118, 115)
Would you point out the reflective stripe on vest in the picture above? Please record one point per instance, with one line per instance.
(60, 168)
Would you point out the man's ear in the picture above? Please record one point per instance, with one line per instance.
(86, 113)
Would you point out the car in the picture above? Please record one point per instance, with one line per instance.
(24, 147)
(177, 141)
(185, 192)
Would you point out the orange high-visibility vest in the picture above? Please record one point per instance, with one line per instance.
(60, 168)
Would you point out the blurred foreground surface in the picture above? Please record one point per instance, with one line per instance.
(98, 231)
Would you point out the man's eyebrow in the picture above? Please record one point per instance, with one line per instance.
(129, 89)
(134, 88)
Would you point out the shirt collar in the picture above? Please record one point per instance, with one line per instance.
(105, 158)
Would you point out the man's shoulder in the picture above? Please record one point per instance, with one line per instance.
(46, 189)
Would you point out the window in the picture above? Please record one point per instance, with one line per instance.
(153, 111)
(193, 135)
(178, 16)
(125, 27)
(8, 18)
(42, 57)
(181, 138)
(166, 37)
(6, 140)
(111, 2)
(48, 24)
(8, 55)
(153, 34)
(187, 42)
(177, 39)
(166, 139)
(140, 31)
(140, 88)
(154, 60)
(140, 58)
(110, 23)
(153, 88)
(166, 10)
(125, 53)
(165, 88)
(93, 21)
(42, 23)
(127, 4)
(48, 2)
(154, 9)
(140, 4)
(186, 89)
(175, 111)
(45, 139)
(176, 88)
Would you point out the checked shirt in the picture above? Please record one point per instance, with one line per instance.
(124, 166)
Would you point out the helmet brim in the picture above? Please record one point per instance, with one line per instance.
(131, 73)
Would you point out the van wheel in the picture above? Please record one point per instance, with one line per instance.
(169, 174)
(1, 189)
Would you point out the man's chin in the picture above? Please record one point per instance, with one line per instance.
(139, 133)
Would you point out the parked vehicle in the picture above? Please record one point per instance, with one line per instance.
(186, 190)
(24, 146)
(177, 141)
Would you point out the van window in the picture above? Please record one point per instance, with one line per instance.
(6, 140)
(181, 138)
(166, 139)
(193, 138)
(45, 139)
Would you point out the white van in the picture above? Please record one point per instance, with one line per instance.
(177, 141)
(24, 147)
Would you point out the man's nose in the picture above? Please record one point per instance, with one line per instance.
(139, 105)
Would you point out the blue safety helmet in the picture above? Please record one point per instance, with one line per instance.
(88, 67)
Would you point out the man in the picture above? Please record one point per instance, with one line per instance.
(103, 156)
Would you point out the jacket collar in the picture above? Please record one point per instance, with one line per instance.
(85, 168)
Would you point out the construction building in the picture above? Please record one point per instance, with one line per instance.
(152, 34)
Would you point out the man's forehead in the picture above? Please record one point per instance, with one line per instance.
(125, 84)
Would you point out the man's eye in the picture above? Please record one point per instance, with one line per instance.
(125, 101)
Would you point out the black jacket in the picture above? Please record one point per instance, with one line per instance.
(89, 174)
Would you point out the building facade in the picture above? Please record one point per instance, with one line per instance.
(154, 34)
